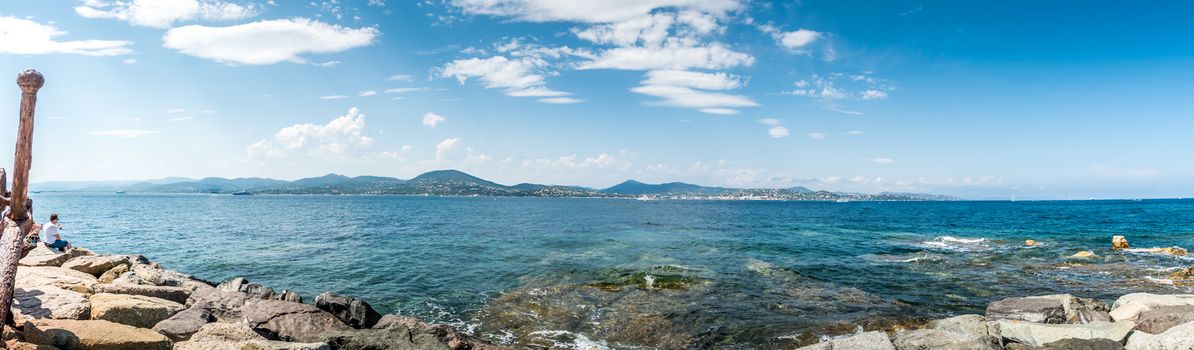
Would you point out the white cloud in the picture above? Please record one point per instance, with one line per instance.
(854, 132)
(163, 13)
(25, 37)
(129, 61)
(673, 55)
(794, 40)
(407, 90)
(517, 77)
(560, 100)
(778, 131)
(874, 95)
(680, 89)
(605, 11)
(401, 77)
(882, 160)
(432, 119)
(334, 139)
(817, 135)
(128, 134)
(267, 42)
(445, 148)
(367, 93)
(333, 97)
(180, 119)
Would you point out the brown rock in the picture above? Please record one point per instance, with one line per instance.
(1085, 254)
(93, 335)
(289, 321)
(182, 325)
(1162, 318)
(134, 310)
(48, 302)
(1030, 243)
(113, 273)
(175, 294)
(95, 264)
(52, 276)
(1119, 242)
(230, 336)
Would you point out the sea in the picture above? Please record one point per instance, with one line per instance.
(585, 273)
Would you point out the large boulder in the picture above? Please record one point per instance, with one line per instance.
(1162, 318)
(930, 339)
(175, 294)
(96, 264)
(147, 274)
(232, 336)
(20, 345)
(182, 325)
(43, 256)
(113, 273)
(290, 321)
(29, 277)
(1177, 337)
(1129, 306)
(1037, 334)
(1081, 310)
(865, 341)
(969, 325)
(93, 335)
(258, 291)
(32, 303)
(355, 312)
(379, 339)
(1083, 344)
(1030, 309)
(445, 333)
(225, 306)
(134, 310)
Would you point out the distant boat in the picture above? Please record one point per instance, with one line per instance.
(242, 193)
(645, 198)
(843, 200)
(119, 192)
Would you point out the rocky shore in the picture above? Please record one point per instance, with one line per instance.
(81, 300)
(1136, 321)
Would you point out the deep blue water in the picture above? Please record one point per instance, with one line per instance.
(753, 274)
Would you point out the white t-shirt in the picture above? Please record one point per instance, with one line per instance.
(48, 233)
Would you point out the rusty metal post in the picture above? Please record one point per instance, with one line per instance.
(18, 223)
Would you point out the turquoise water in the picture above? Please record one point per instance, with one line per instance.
(568, 273)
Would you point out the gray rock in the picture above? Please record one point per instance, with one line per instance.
(1129, 306)
(1084, 344)
(1031, 309)
(1177, 337)
(288, 295)
(354, 312)
(931, 339)
(231, 336)
(182, 325)
(1082, 310)
(289, 321)
(395, 321)
(175, 294)
(383, 339)
(866, 341)
(95, 264)
(969, 325)
(113, 273)
(160, 277)
(93, 335)
(225, 306)
(1162, 318)
(1037, 334)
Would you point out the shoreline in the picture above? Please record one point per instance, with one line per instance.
(83, 300)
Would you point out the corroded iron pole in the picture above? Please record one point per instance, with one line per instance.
(18, 223)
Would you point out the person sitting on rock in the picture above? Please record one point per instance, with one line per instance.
(50, 235)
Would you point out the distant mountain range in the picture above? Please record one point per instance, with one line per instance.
(457, 183)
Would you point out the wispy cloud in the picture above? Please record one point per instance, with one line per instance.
(332, 97)
(407, 90)
(267, 42)
(882, 160)
(401, 77)
(26, 37)
(367, 93)
(432, 119)
(125, 133)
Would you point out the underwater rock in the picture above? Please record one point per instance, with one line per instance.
(1085, 254)
(1031, 243)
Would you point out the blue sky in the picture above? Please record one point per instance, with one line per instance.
(977, 99)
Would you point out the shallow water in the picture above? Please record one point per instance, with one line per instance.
(573, 273)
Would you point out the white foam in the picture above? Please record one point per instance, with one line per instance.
(579, 341)
(957, 244)
(962, 240)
